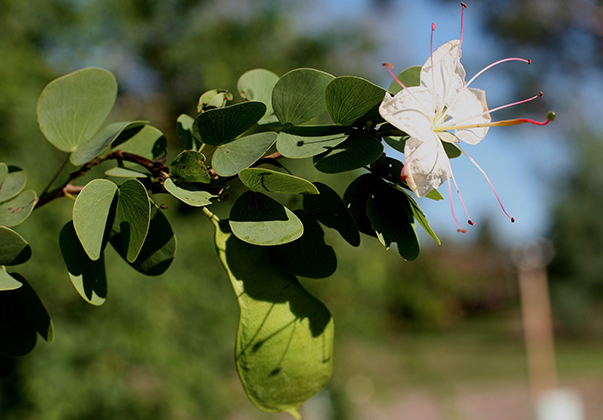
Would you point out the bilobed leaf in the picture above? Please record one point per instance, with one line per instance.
(72, 108)
(188, 194)
(307, 141)
(257, 85)
(14, 249)
(357, 151)
(88, 277)
(22, 317)
(133, 216)
(284, 344)
(158, 250)
(145, 141)
(258, 219)
(410, 77)
(308, 256)
(7, 282)
(298, 96)
(231, 158)
(390, 214)
(356, 196)
(190, 166)
(223, 125)
(266, 180)
(12, 181)
(91, 215)
(329, 209)
(16, 210)
(348, 98)
(100, 141)
(185, 131)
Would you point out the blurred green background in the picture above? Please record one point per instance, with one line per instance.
(438, 338)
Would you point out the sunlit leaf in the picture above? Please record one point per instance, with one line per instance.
(7, 282)
(185, 131)
(145, 141)
(349, 98)
(307, 141)
(12, 181)
(231, 158)
(14, 211)
(257, 85)
(188, 194)
(100, 141)
(410, 77)
(266, 180)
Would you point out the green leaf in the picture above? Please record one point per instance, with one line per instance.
(348, 98)
(356, 196)
(284, 344)
(387, 168)
(391, 217)
(329, 209)
(119, 172)
(88, 277)
(7, 282)
(185, 131)
(215, 98)
(420, 217)
(12, 181)
(229, 159)
(133, 216)
(158, 250)
(145, 141)
(308, 141)
(257, 85)
(410, 77)
(190, 166)
(308, 256)
(100, 141)
(16, 210)
(298, 96)
(221, 126)
(92, 214)
(357, 151)
(266, 180)
(396, 142)
(14, 249)
(451, 151)
(188, 194)
(258, 219)
(434, 195)
(72, 108)
(22, 316)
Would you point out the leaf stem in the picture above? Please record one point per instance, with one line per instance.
(54, 178)
(210, 215)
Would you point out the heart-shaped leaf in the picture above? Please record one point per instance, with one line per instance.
(72, 108)
(308, 256)
(329, 209)
(16, 210)
(258, 219)
(133, 216)
(229, 159)
(266, 180)
(410, 77)
(7, 282)
(221, 126)
(88, 277)
(357, 151)
(308, 141)
(299, 95)
(12, 181)
(190, 166)
(158, 250)
(100, 141)
(188, 194)
(93, 214)
(257, 85)
(348, 98)
(14, 249)
(185, 131)
(284, 344)
(22, 316)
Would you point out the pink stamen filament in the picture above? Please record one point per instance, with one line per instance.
(463, 7)
(504, 60)
(503, 123)
(460, 229)
(458, 192)
(389, 67)
(487, 179)
(406, 162)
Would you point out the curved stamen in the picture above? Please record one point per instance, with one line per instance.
(464, 6)
(433, 28)
(460, 229)
(389, 67)
(458, 192)
(487, 179)
(503, 123)
(490, 111)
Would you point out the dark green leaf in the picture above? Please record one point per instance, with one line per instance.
(356, 196)
(221, 126)
(188, 194)
(387, 168)
(88, 277)
(284, 344)
(16, 210)
(14, 249)
(231, 158)
(298, 96)
(348, 98)
(185, 131)
(410, 77)
(190, 166)
(266, 180)
(451, 151)
(357, 151)
(258, 219)
(308, 141)
(396, 142)
(420, 217)
(331, 211)
(133, 216)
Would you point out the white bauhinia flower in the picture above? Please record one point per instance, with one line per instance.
(442, 109)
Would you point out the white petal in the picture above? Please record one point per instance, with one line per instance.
(448, 76)
(407, 111)
(469, 110)
(427, 165)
